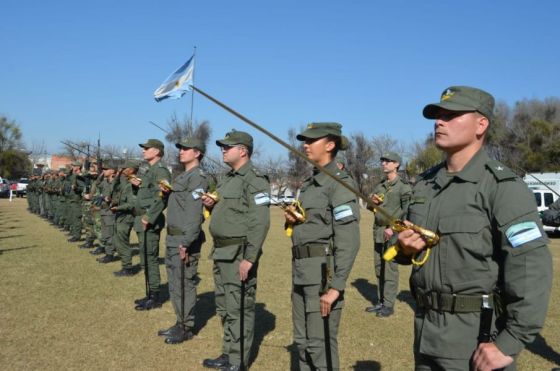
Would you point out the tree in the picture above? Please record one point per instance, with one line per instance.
(10, 134)
(298, 169)
(14, 164)
(426, 155)
(360, 161)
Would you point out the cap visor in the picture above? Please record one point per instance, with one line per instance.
(431, 110)
(311, 134)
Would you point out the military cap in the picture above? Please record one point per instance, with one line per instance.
(236, 137)
(391, 156)
(132, 164)
(192, 143)
(76, 163)
(108, 165)
(317, 130)
(152, 143)
(462, 98)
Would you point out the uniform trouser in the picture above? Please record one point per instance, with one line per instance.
(228, 298)
(75, 215)
(97, 224)
(309, 328)
(107, 232)
(41, 205)
(173, 265)
(88, 221)
(387, 274)
(152, 251)
(121, 241)
(424, 362)
(60, 211)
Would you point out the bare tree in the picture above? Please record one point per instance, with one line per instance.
(298, 169)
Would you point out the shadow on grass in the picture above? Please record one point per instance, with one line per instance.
(542, 348)
(366, 289)
(265, 322)
(11, 236)
(204, 310)
(366, 366)
(406, 297)
(18, 248)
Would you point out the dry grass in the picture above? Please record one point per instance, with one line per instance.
(59, 309)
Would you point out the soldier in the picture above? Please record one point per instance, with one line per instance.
(394, 195)
(149, 219)
(184, 238)
(239, 224)
(492, 250)
(105, 190)
(74, 199)
(124, 218)
(324, 249)
(87, 211)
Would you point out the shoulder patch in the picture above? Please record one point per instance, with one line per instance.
(262, 198)
(521, 233)
(500, 171)
(342, 211)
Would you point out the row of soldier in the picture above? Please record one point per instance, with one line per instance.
(481, 292)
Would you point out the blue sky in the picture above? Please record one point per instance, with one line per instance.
(73, 69)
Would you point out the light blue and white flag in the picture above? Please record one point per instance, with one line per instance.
(176, 85)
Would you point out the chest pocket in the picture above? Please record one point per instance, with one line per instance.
(233, 198)
(466, 241)
(317, 210)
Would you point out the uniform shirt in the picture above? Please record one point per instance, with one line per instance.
(331, 215)
(396, 199)
(184, 208)
(125, 201)
(242, 211)
(149, 203)
(490, 234)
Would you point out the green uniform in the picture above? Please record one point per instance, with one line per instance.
(74, 203)
(107, 216)
(150, 205)
(184, 227)
(124, 219)
(490, 238)
(240, 221)
(324, 250)
(396, 196)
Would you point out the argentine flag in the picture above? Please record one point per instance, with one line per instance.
(176, 85)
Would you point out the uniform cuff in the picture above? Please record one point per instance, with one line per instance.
(508, 344)
(338, 284)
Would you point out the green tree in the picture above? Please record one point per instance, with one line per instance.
(10, 134)
(14, 164)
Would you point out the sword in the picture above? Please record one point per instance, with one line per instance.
(430, 237)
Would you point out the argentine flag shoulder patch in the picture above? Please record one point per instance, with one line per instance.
(521, 233)
(262, 198)
(197, 193)
(342, 211)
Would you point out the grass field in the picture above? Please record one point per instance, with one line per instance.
(60, 309)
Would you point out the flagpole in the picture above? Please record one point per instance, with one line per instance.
(192, 90)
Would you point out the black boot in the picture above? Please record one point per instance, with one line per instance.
(141, 301)
(152, 302)
(125, 272)
(87, 245)
(100, 250)
(178, 336)
(107, 259)
(170, 330)
(221, 361)
(74, 239)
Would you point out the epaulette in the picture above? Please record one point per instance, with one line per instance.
(259, 174)
(500, 171)
(431, 171)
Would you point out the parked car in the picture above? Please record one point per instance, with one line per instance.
(21, 189)
(4, 187)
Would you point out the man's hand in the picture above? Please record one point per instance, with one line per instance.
(327, 301)
(183, 254)
(376, 199)
(488, 357)
(388, 233)
(87, 197)
(411, 241)
(208, 201)
(290, 218)
(113, 209)
(244, 268)
(135, 181)
(145, 224)
(164, 189)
